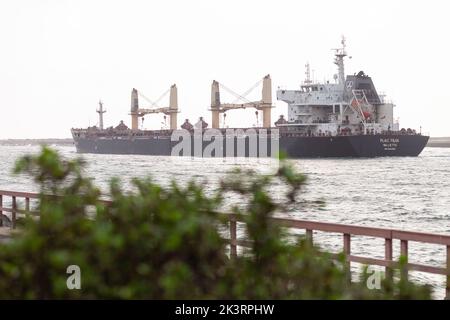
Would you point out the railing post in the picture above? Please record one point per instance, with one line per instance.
(347, 252)
(388, 257)
(404, 253)
(13, 213)
(233, 237)
(27, 204)
(309, 237)
(1, 211)
(447, 286)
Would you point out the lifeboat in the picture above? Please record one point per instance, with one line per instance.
(366, 114)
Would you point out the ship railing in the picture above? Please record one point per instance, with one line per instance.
(292, 133)
(19, 204)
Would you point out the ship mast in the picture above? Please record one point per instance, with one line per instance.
(100, 112)
(339, 61)
(307, 74)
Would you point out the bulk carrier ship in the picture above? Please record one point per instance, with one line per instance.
(347, 118)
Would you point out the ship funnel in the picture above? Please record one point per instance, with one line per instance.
(215, 104)
(134, 109)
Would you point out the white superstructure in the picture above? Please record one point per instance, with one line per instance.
(350, 105)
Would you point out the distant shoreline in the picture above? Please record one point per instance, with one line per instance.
(436, 142)
(439, 142)
(35, 142)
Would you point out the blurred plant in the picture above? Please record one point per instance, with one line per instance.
(166, 242)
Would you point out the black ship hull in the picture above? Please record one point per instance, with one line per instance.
(293, 146)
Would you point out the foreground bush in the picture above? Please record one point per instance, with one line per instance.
(165, 242)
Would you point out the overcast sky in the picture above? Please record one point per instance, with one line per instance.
(59, 57)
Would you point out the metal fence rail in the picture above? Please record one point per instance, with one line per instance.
(347, 231)
(14, 209)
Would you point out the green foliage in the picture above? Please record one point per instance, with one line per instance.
(167, 242)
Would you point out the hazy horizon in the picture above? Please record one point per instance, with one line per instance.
(59, 58)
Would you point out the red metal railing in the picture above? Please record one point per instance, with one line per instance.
(347, 231)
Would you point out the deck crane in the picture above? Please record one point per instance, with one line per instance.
(171, 111)
(265, 104)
